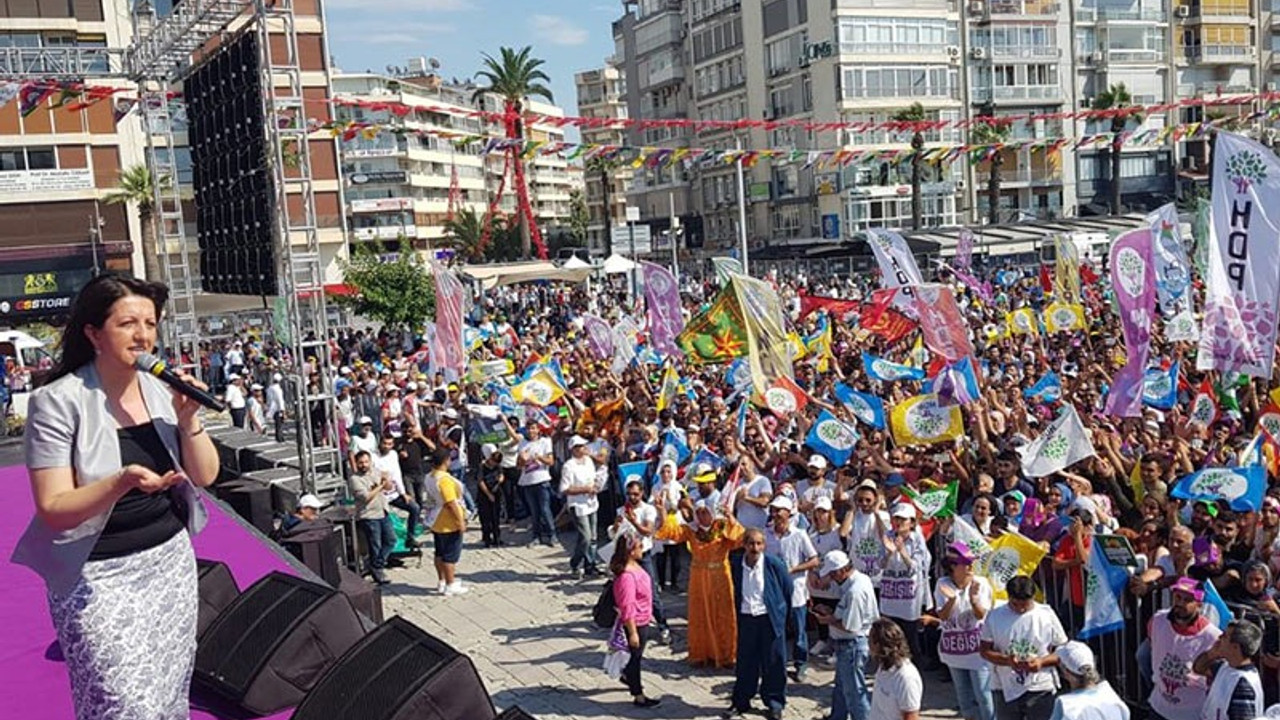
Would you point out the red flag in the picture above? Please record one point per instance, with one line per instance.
(880, 319)
(731, 489)
(784, 397)
(1204, 405)
(837, 307)
(1046, 278)
(1087, 274)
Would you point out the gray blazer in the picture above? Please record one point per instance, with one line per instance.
(68, 425)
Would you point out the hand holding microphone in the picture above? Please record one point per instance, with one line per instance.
(186, 386)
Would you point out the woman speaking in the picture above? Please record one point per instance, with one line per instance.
(115, 458)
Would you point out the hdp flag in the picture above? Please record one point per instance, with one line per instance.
(1012, 554)
(1204, 405)
(634, 471)
(1214, 608)
(868, 408)
(1062, 444)
(922, 420)
(878, 368)
(819, 343)
(1047, 388)
(796, 346)
(742, 418)
(939, 503)
(706, 456)
(957, 383)
(670, 385)
(1062, 317)
(674, 447)
(832, 438)
(541, 389)
(1241, 487)
(725, 267)
(1104, 586)
(1160, 387)
(963, 531)
(1023, 322)
(785, 397)
(739, 374)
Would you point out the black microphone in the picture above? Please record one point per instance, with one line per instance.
(148, 363)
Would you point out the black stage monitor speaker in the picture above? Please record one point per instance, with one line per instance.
(399, 672)
(218, 589)
(250, 499)
(269, 648)
(319, 547)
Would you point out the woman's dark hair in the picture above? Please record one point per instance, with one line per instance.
(621, 554)
(440, 457)
(889, 647)
(92, 306)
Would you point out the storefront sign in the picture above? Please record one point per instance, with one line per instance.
(389, 176)
(816, 51)
(385, 233)
(35, 306)
(826, 183)
(831, 227)
(350, 153)
(30, 181)
(757, 192)
(382, 205)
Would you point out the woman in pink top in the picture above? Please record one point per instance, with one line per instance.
(633, 596)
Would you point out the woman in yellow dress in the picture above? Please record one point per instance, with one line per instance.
(713, 624)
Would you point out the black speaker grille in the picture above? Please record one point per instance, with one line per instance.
(388, 665)
(234, 648)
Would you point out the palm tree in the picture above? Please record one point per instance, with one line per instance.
(991, 132)
(464, 231)
(515, 76)
(1116, 97)
(914, 114)
(135, 187)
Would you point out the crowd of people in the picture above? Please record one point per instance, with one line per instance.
(789, 557)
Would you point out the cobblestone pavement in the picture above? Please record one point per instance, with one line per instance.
(526, 626)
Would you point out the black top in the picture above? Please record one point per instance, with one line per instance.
(139, 520)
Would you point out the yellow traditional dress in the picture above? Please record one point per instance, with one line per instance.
(713, 622)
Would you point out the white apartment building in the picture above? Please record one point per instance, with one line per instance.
(602, 94)
(398, 184)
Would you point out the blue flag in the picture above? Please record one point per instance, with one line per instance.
(1048, 388)
(832, 439)
(957, 381)
(739, 374)
(706, 456)
(1160, 388)
(1102, 611)
(884, 371)
(628, 472)
(1214, 609)
(742, 419)
(674, 447)
(1241, 487)
(506, 403)
(868, 408)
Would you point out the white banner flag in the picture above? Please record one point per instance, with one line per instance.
(1173, 269)
(1060, 446)
(898, 267)
(1239, 331)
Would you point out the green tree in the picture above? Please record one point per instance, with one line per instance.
(515, 76)
(400, 293)
(1117, 97)
(914, 113)
(991, 133)
(579, 216)
(464, 232)
(135, 188)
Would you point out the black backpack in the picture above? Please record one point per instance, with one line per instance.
(605, 612)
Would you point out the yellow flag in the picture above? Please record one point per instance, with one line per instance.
(1275, 398)
(1135, 482)
(795, 346)
(1011, 555)
(540, 389)
(1022, 322)
(1061, 317)
(670, 385)
(922, 421)
(1066, 271)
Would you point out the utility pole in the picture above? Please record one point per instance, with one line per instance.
(95, 233)
(742, 212)
(675, 235)
(633, 214)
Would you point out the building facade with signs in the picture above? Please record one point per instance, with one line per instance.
(602, 94)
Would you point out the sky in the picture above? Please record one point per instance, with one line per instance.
(570, 35)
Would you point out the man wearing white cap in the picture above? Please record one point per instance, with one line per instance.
(275, 405)
(849, 624)
(256, 410)
(579, 485)
(792, 546)
(234, 397)
(816, 486)
(1088, 696)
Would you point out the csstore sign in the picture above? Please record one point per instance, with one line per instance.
(35, 306)
(40, 293)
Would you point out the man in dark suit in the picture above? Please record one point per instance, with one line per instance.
(761, 593)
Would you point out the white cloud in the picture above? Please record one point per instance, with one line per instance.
(556, 30)
(412, 34)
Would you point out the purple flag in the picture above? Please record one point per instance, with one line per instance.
(981, 288)
(964, 249)
(663, 296)
(599, 336)
(1133, 281)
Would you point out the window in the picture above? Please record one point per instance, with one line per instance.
(28, 159)
(898, 82)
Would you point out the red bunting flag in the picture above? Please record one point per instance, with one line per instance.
(837, 307)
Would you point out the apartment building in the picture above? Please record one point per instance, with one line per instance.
(602, 94)
(398, 183)
(56, 164)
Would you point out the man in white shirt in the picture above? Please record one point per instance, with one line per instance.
(536, 459)
(1019, 639)
(1235, 689)
(579, 484)
(849, 625)
(640, 519)
(793, 547)
(363, 439)
(1088, 696)
(753, 498)
(387, 462)
(235, 399)
(275, 405)
(762, 592)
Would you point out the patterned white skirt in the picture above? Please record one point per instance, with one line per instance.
(128, 633)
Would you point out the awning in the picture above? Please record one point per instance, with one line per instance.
(497, 275)
(341, 289)
(618, 264)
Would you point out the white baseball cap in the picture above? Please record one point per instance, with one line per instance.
(233, 376)
(822, 503)
(488, 450)
(450, 413)
(366, 420)
(782, 502)
(903, 510)
(577, 441)
(1075, 656)
(833, 561)
(817, 461)
(310, 501)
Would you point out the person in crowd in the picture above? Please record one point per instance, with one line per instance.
(849, 626)
(793, 547)
(303, 517)
(387, 462)
(369, 488)
(639, 518)
(899, 688)
(450, 524)
(963, 600)
(491, 481)
(763, 589)
(256, 410)
(276, 405)
(668, 556)
(1085, 696)
(1235, 688)
(904, 587)
(234, 397)
(1178, 636)
(1018, 639)
(825, 536)
(115, 460)
(536, 460)
(865, 528)
(713, 628)
(632, 594)
(580, 484)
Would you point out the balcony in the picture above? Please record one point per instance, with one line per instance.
(1017, 94)
(988, 10)
(672, 73)
(851, 48)
(1024, 52)
(1116, 15)
(1220, 54)
(1129, 56)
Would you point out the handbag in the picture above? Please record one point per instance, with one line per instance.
(605, 612)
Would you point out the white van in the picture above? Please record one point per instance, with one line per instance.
(25, 358)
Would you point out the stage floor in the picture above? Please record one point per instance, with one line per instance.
(33, 679)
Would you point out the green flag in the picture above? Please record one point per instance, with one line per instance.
(936, 503)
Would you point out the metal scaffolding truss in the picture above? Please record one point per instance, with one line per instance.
(63, 63)
(164, 50)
